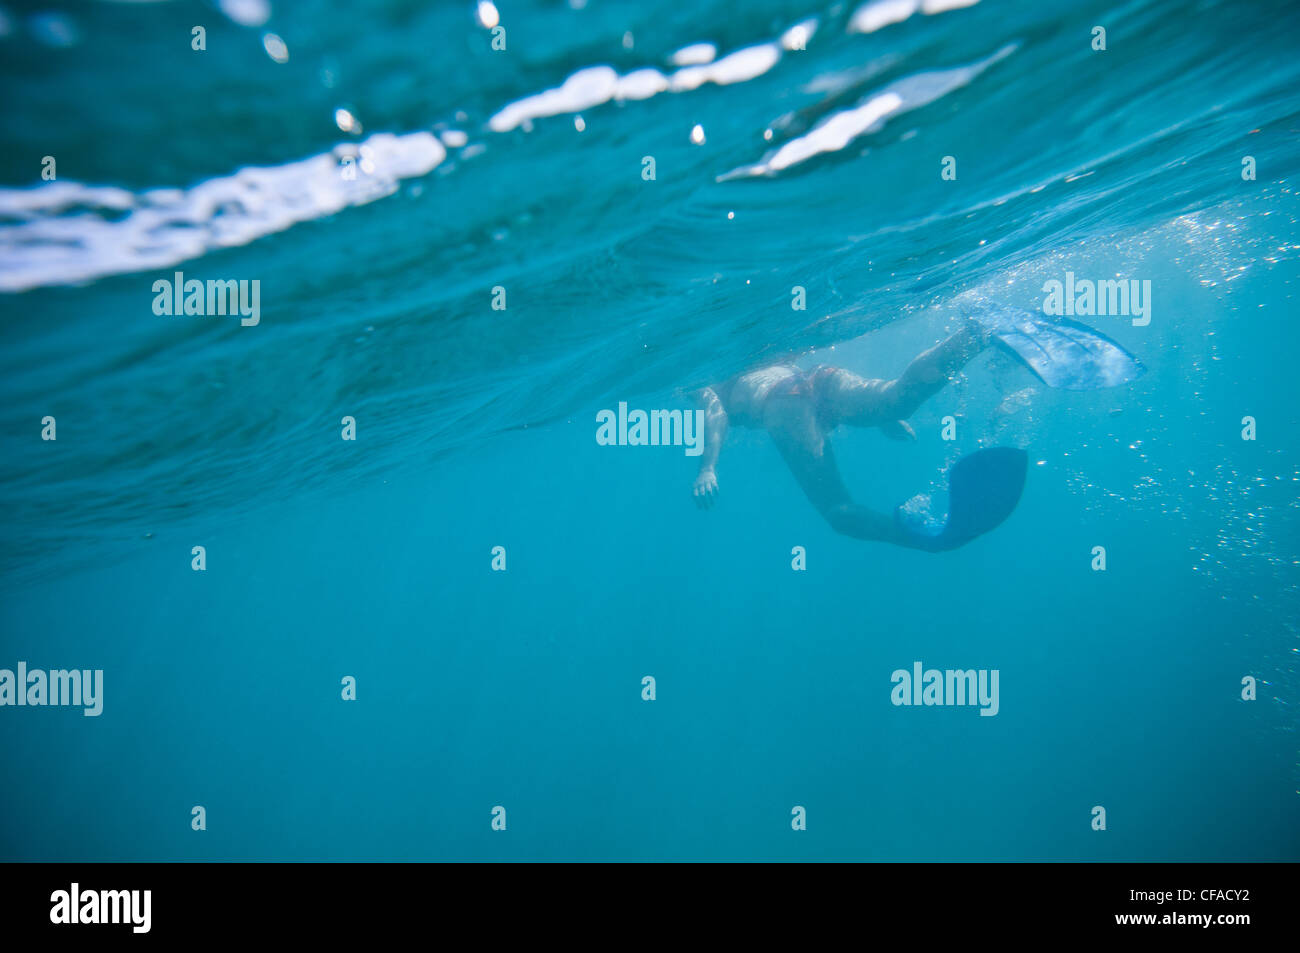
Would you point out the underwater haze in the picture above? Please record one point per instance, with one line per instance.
(362, 582)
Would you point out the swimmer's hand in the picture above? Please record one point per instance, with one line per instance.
(706, 488)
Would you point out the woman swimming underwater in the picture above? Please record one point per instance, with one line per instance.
(800, 408)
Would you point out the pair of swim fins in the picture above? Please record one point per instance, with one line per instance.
(985, 486)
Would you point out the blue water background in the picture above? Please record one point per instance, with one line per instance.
(476, 429)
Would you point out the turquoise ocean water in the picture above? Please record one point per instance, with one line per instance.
(380, 168)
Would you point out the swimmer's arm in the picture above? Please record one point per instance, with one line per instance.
(715, 428)
(715, 431)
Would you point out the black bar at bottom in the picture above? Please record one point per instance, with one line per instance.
(375, 901)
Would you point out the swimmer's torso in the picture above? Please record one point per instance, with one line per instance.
(743, 397)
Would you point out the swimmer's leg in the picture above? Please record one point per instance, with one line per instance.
(808, 454)
(983, 489)
(845, 398)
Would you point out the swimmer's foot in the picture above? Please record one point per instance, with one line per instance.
(1061, 352)
(983, 489)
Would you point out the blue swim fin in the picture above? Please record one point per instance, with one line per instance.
(983, 489)
(1061, 352)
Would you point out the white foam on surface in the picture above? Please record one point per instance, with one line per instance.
(68, 233)
(694, 55)
(836, 131)
(596, 85)
(879, 14)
